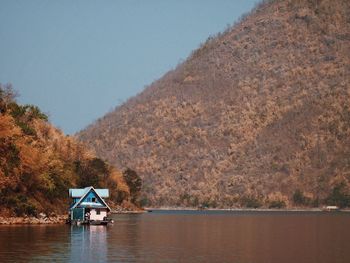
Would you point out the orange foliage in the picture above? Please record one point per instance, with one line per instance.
(8, 127)
(259, 109)
(38, 164)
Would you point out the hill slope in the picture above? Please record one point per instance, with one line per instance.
(258, 115)
(38, 163)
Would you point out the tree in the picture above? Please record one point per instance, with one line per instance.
(35, 113)
(92, 172)
(134, 182)
(7, 95)
(339, 196)
(250, 202)
(299, 198)
(277, 204)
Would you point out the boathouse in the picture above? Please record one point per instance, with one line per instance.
(88, 205)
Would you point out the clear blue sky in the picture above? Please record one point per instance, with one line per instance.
(77, 60)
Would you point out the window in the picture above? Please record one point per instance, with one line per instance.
(94, 199)
(98, 212)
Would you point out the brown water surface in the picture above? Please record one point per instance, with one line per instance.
(187, 236)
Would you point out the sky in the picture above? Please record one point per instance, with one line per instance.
(77, 60)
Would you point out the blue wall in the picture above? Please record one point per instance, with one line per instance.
(90, 195)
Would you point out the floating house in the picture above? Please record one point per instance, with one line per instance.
(88, 206)
(331, 208)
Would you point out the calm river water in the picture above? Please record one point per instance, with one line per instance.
(187, 236)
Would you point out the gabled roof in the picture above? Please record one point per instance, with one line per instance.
(79, 192)
(88, 190)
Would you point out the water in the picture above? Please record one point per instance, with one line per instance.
(186, 236)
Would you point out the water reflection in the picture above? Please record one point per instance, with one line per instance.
(186, 237)
(231, 237)
(124, 239)
(88, 244)
(23, 243)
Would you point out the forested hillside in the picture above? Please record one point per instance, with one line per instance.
(258, 115)
(38, 163)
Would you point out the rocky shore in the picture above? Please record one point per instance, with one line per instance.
(40, 219)
(129, 210)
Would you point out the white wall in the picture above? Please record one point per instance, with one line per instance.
(95, 216)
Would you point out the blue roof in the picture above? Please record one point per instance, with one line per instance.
(79, 192)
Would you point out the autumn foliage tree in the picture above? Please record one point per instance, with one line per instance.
(134, 182)
(38, 163)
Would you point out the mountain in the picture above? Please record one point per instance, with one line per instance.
(38, 163)
(258, 115)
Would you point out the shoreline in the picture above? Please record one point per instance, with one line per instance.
(43, 219)
(61, 219)
(116, 212)
(31, 220)
(148, 209)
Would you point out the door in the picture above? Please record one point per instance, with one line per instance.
(78, 213)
